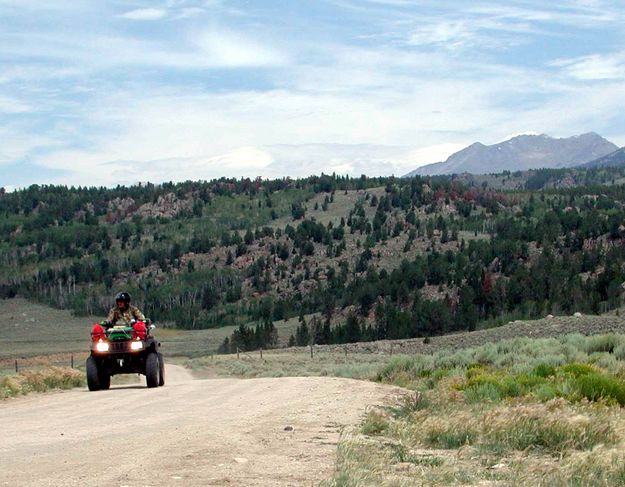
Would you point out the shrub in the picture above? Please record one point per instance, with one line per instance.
(595, 387)
(375, 423)
(545, 392)
(602, 343)
(450, 436)
(577, 370)
(544, 370)
(410, 403)
(484, 384)
(619, 352)
(403, 370)
(482, 392)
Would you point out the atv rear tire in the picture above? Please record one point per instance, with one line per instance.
(161, 369)
(93, 378)
(152, 370)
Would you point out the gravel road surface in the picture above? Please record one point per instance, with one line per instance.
(226, 432)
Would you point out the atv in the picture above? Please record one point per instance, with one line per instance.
(124, 350)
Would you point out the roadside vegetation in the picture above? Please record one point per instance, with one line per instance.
(519, 412)
(43, 380)
(289, 363)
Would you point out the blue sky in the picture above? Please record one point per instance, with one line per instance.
(106, 93)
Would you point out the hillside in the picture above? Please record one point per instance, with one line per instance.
(329, 259)
(614, 159)
(521, 153)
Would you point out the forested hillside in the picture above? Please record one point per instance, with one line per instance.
(372, 258)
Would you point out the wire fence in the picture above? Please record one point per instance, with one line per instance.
(16, 365)
(182, 348)
(313, 350)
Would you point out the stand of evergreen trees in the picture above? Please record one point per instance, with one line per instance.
(534, 253)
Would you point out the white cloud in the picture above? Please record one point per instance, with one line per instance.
(145, 14)
(242, 158)
(452, 34)
(364, 118)
(13, 106)
(17, 143)
(230, 49)
(594, 67)
(99, 52)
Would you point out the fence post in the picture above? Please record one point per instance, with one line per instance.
(345, 350)
(16, 370)
(391, 349)
(311, 351)
(261, 352)
(237, 353)
(72, 360)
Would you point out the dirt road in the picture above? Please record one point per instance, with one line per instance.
(222, 432)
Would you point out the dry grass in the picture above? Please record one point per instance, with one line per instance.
(28, 329)
(524, 443)
(296, 363)
(40, 381)
(445, 434)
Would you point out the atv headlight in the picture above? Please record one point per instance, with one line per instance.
(136, 345)
(102, 346)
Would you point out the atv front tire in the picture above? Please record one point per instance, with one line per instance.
(93, 378)
(161, 369)
(152, 370)
(105, 380)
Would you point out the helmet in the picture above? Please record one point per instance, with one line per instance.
(123, 296)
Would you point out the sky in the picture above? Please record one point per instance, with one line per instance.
(122, 91)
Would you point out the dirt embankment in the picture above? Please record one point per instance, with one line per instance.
(191, 432)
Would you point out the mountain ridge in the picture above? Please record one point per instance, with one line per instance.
(522, 152)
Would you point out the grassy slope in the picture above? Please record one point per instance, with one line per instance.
(28, 329)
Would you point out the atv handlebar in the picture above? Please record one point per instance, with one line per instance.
(147, 322)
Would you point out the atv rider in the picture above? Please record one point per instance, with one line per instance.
(124, 311)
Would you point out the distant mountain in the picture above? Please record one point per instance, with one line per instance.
(614, 159)
(522, 153)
